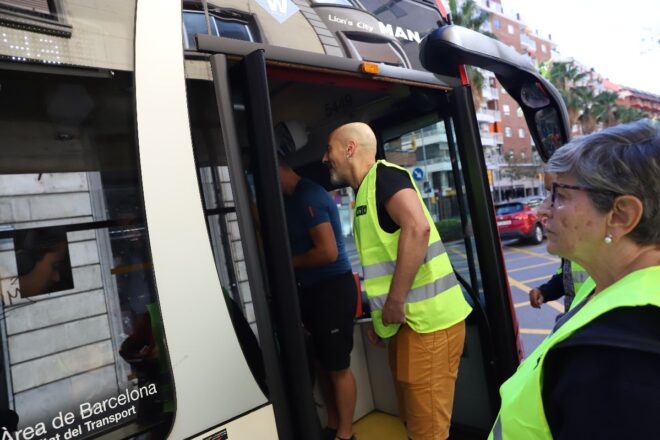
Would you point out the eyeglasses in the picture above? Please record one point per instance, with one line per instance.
(556, 185)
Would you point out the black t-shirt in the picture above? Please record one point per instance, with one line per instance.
(604, 381)
(389, 181)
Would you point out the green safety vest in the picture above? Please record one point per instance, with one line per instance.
(586, 288)
(435, 300)
(521, 414)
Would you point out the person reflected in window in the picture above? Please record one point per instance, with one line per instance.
(42, 260)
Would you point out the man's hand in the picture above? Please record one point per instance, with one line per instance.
(394, 312)
(373, 337)
(535, 298)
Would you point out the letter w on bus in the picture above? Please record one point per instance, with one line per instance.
(280, 10)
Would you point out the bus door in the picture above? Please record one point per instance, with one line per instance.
(417, 127)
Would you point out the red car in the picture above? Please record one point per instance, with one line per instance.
(517, 218)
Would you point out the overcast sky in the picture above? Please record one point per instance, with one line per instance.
(619, 39)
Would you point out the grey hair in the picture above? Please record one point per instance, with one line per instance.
(624, 160)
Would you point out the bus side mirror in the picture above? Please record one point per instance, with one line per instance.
(449, 47)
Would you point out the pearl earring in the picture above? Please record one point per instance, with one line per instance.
(608, 238)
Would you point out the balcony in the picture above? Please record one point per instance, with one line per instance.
(489, 93)
(486, 115)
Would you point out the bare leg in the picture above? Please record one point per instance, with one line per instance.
(345, 395)
(328, 394)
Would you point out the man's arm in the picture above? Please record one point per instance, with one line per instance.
(406, 210)
(324, 248)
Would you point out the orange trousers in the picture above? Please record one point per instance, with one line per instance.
(424, 368)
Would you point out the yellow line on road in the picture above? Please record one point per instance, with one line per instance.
(522, 257)
(555, 305)
(531, 280)
(530, 267)
(535, 331)
(458, 252)
(524, 287)
(535, 254)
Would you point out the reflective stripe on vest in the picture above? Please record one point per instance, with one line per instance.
(521, 414)
(435, 300)
(579, 276)
(387, 268)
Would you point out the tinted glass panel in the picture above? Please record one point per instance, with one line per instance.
(80, 327)
(509, 209)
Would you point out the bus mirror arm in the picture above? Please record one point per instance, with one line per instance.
(448, 47)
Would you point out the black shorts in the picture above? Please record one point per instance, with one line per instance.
(328, 309)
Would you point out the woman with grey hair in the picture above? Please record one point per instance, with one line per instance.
(597, 375)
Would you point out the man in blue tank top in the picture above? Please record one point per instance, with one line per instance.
(327, 291)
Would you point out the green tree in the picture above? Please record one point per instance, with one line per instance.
(604, 108)
(566, 76)
(626, 114)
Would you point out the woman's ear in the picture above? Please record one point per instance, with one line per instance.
(625, 215)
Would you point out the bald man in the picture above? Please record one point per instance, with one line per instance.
(415, 300)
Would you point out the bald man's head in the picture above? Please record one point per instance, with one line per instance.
(351, 152)
(361, 134)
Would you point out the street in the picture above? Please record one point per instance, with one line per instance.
(527, 267)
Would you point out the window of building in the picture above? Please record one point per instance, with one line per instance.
(519, 112)
(507, 132)
(509, 29)
(523, 155)
(543, 48)
(521, 133)
(503, 91)
(491, 81)
(41, 16)
(506, 109)
(496, 23)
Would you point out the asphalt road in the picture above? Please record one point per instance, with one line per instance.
(529, 266)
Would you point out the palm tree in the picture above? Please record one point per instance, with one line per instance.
(605, 107)
(471, 16)
(566, 77)
(587, 116)
(629, 114)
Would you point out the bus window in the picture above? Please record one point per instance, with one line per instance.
(222, 222)
(428, 153)
(81, 327)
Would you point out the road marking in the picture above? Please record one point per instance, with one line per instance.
(458, 252)
(522, 257)
(555, 305)
(536, 254)
(534, 331)
(530, 267)
(524, 287)
(531, 280)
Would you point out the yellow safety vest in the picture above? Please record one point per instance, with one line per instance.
(435, 300)
(579, 276)
(522, 414)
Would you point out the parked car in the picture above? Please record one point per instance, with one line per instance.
(518, 218)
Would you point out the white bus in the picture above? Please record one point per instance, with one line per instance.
(147, 289)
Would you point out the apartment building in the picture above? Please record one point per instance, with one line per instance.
(514, 164)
